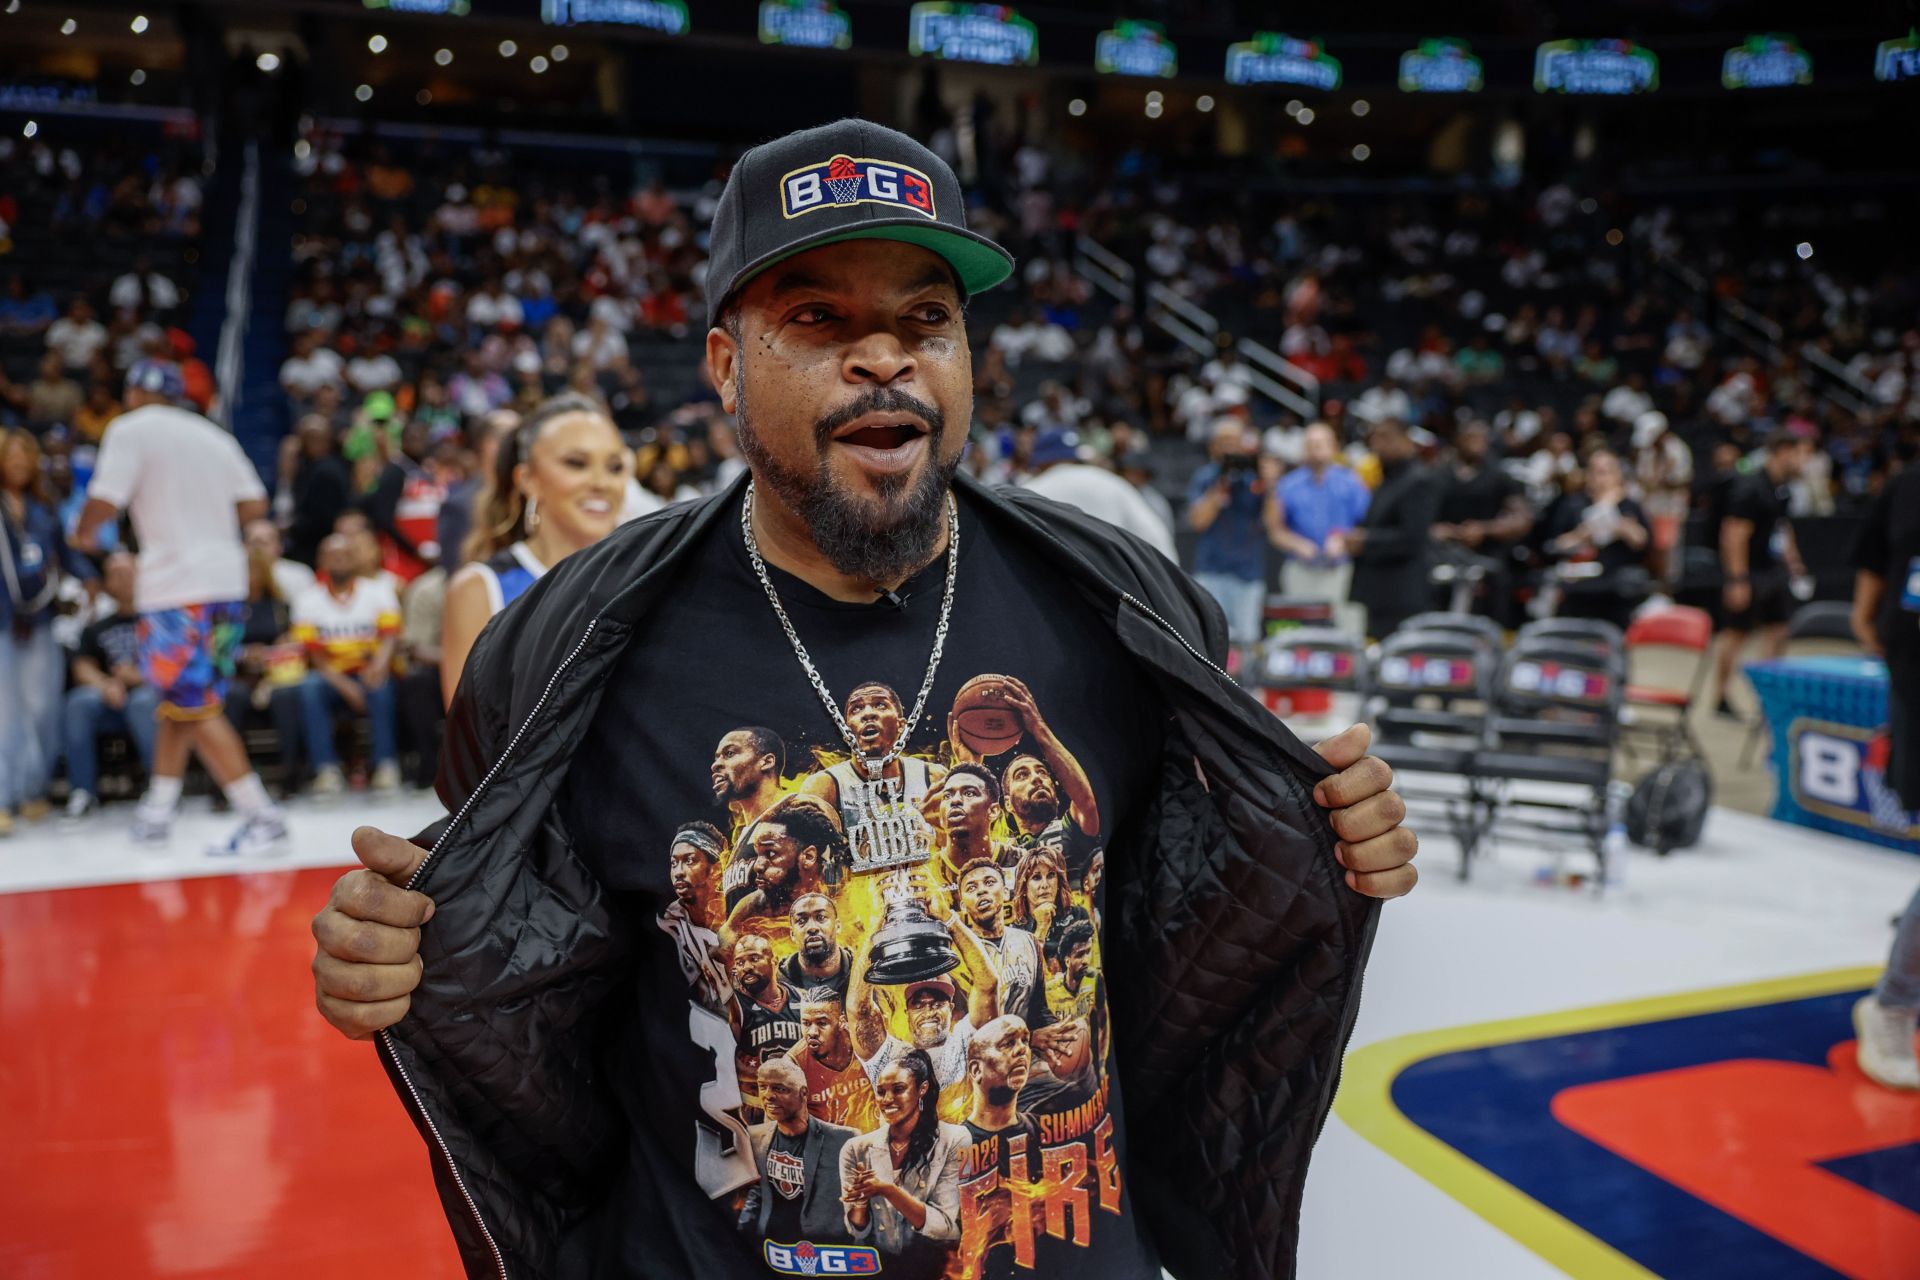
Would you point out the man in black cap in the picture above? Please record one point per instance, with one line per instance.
(576, 1096)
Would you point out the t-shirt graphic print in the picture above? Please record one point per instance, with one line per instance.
(897, 975)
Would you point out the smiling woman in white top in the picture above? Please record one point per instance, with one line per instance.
(559, 483)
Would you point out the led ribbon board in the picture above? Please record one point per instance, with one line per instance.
(957, 32)
(1135, 49)
(1441, 66)
(437, 8)
(805, 24)
(668, 17)
(1766, 62)
(1273, 58)
(1596, 67)
(1898, 59)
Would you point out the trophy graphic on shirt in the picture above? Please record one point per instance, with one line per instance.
(910, 945)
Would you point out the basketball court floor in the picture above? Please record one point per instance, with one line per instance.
(1653, 1082)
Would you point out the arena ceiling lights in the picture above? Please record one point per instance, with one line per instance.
(666, 17)
(994, 34)
(805, 24)
(1613, 67)
(432, 8)
(1766, 62)
(1898, 59)
(1135, 49)
(1441, 66)
(1272, 57)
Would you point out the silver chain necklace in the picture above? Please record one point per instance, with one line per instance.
(874, 768)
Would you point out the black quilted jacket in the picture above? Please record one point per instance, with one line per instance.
(1235, 948)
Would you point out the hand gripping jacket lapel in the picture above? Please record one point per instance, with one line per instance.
(1235, 955)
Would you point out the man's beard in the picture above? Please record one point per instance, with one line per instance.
(1035, 815)
(884, 545)
(817, 951)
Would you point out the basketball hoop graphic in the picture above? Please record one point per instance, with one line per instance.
(804, 1253)
(843, 179)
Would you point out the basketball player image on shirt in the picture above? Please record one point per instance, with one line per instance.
(818, 959)
(797, 1156)
(838, 1090)
(766, 1020)
(1004, 1150)
(967, 805)
(796, 846)
(1040, 796)
(693, 859)
(1044, 788)
(746, 771)
(1070, 991)
(869, 807)
(1015, 953)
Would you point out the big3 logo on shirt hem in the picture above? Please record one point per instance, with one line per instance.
(809, 1259)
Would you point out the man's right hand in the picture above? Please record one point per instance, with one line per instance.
(1738, 596)
(367, 962)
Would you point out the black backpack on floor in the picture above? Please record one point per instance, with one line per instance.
(1669, 807)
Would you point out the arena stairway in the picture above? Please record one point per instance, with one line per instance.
(258, 414)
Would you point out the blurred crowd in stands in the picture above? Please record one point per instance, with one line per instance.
(1522, 403)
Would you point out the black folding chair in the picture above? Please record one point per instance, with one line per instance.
(1556, 719)
(1430, 696)
(1472, 624)
(1312, 658)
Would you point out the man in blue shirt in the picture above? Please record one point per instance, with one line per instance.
(1231, 505)
(1320, 502)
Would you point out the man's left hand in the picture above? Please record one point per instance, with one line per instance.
(1366, 814)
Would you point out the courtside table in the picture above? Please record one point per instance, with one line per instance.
(1828, 720)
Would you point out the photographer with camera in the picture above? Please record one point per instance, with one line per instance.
(1231, 505)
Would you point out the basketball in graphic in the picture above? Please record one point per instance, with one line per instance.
(843, 178)
(981, 719)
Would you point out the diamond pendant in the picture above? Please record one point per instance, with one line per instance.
(886, 830)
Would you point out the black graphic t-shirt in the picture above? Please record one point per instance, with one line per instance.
(895, 940)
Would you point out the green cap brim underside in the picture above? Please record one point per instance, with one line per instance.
(980, 266)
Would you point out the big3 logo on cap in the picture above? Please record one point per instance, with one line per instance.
(844, 181)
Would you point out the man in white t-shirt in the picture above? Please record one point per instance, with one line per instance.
(77, 336)
(312, 365)
(144, 289)
(189, 489)
(1059, 474)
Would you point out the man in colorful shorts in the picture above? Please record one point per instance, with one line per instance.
(189, 490)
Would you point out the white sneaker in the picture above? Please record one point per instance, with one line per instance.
(81, 805)
(329, 781)
(1886, 1044)
(386, 778)
(263, 833)
(151, 831)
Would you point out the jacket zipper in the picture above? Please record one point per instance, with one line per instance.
(386, 1035)
(1175, 633)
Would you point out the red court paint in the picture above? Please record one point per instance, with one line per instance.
(175, 1107)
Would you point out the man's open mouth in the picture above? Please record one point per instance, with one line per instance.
(888, 435)
(884, 442)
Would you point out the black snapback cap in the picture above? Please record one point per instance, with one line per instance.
(850, 180)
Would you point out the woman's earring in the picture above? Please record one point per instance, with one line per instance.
(533, 516)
